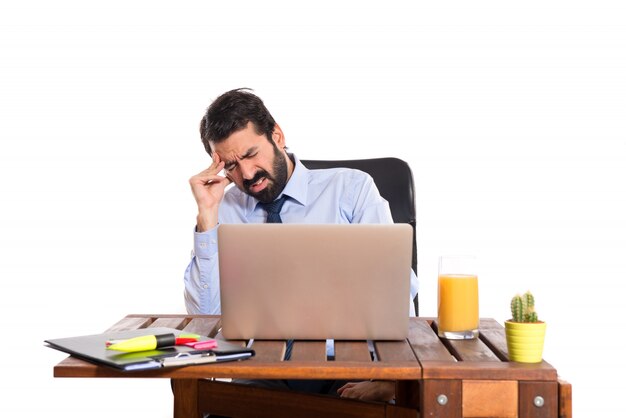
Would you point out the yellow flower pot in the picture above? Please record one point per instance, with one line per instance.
(524, 341)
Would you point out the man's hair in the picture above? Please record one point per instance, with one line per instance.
(230, 113)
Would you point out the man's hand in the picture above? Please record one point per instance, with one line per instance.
(208, 190)
(378, 390)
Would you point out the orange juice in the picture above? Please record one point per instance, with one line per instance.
(458, 303)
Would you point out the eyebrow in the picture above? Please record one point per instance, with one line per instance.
(245, 155)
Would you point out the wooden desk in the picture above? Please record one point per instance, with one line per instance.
(438, 378)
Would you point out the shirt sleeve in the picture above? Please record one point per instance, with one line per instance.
(368, 206)
(202, 295)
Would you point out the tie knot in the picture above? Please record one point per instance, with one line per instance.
(273, 209)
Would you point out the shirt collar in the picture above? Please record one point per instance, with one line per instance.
(298, 184)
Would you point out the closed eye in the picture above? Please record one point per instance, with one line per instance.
(231, 165)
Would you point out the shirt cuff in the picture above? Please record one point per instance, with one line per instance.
(205, 243)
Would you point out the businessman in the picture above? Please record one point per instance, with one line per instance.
(249, 149)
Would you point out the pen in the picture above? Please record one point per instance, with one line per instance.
(185, 359)
(149, 342)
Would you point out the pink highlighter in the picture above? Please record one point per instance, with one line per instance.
(202, 345)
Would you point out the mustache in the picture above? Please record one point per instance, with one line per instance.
(257, 176)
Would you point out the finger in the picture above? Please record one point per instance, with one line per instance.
(202, 177)
(210, 171)
(348, 393)
(216, 166)
(206, 178)
(214, 179)
(344, 387)
(216, 161)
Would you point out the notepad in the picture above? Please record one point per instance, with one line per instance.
(93, 349)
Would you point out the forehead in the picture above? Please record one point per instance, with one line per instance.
(239, 143)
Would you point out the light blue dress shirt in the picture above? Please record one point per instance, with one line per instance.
(336, 195)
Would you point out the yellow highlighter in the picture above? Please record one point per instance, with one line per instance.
(143, 343)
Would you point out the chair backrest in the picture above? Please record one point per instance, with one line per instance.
(394, 180)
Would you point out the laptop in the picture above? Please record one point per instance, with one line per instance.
(315, 282)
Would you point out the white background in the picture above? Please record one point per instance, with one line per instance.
(511, 116)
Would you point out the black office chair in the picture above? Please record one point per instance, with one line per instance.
(394, 180)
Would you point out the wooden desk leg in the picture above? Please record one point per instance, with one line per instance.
(407, 400)
(407, 393)
(441, 398)
(565, 399)
(185, 398)
(538, 399)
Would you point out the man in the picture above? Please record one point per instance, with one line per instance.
(249, 146)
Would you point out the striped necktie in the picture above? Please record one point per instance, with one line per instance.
(273, 210)
(273, 217)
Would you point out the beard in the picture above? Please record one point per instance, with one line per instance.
(276, 182)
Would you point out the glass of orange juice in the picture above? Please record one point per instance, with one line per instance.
(457, 307)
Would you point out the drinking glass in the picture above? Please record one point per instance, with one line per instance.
(457, 307)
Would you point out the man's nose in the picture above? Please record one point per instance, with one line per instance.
(247, 170)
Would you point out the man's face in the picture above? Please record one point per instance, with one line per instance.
(257, 166)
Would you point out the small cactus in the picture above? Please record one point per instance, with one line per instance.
(523, 308)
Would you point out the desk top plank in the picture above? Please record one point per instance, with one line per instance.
(425, 343)
(394, 351)
(130, 323)
(250, 369)
(309, 351)
(488, 370)
(176, 323)
(471, 350)
(492, 334)
(206, 327)
(352, 351)
(268, 350)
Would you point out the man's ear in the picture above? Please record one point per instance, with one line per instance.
(278, 137)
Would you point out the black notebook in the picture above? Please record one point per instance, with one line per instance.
(93, 348)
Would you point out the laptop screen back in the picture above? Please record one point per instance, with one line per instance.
(331, 281)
